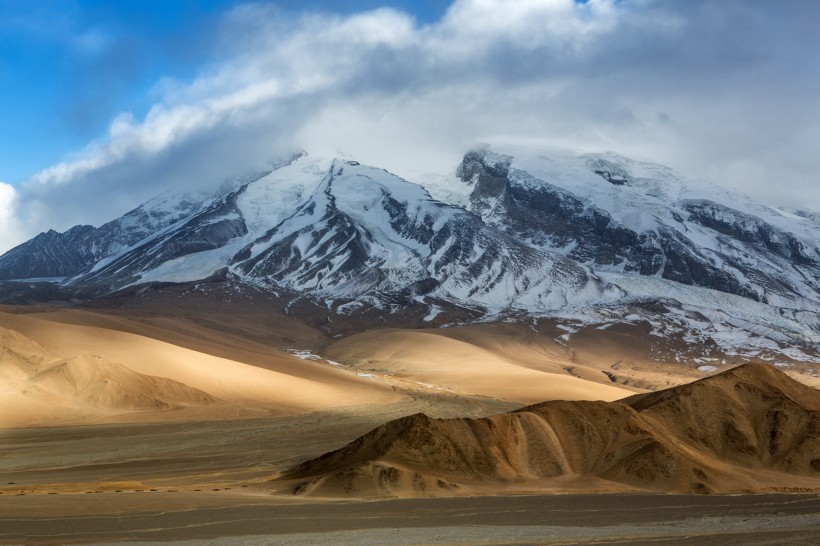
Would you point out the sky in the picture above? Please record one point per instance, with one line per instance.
(106, 103)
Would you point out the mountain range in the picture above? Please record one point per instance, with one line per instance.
(584, 238)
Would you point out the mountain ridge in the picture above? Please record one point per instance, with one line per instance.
(664, 441)
(582, 237)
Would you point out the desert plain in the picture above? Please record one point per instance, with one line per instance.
(189, 420)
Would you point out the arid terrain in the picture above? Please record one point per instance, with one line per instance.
(227, 518)
(749, 429)
(392, 272)
(200, 425)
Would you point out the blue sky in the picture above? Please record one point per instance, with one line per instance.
(67, 67)
(105, 104)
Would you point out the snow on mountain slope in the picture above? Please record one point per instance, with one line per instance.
(261, 202)
(711, 323)
(342, 230)
(365, 230)
(53, 254)
(619, 215)
(594, 238)
(268, 200)
(214, 225)
(202, 242)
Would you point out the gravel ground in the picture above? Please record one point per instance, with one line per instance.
(538, 519)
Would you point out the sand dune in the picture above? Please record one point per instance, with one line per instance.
(91, 381)
(751, 428)
(37, 386)
(252, 337)
(509, 371)
(255, 376)
(85, 367)
(240, 360)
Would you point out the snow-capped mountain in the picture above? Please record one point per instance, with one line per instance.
(589, 237)
(622, 216)
(364, 230)
(343, 230)
(59, 255)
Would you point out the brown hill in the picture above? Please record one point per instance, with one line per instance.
(33, 379)
(751, 428)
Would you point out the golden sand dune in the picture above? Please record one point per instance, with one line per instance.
(751, 428)
(90, 380)
(507, 370)
(37, 386)
(58, 367)
(254, 376)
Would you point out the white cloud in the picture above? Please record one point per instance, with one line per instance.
(9, 229)
(727, 89)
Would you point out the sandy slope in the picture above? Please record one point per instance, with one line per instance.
(251, 336)
(247, 389)
(37, 386)
(751, 428)
(241, 360)
(507, 369)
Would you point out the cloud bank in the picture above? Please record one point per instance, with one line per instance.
(725, 89)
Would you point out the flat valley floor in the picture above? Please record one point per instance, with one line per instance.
(208, 483)
(231, 518)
